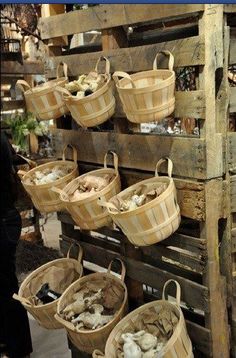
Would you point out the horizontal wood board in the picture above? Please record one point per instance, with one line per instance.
(27, 68)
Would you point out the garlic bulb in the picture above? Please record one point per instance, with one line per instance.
(130, 348)
(146, 341)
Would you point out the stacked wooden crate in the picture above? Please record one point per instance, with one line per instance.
(199, 254)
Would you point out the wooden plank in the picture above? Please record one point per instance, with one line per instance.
(187, 154)
(12, 104)
(229, 8)
(233, 193)
(28, 67)
(232, 100)
(187, 52)
(232, 152)
(107, 16)
(200, 337)
(232, 49)
(233, 243)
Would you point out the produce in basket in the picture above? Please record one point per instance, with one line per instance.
(86, 84)
(48, 175)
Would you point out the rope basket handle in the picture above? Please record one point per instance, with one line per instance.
(65, 69)
(178, 290)
(75, 155)
(123, 269)
(121, 74)
(22, 299)
(23, 86)
(107, 68)
(80, 254)
(170, 166)
(166, 53)
(98, 354)
(115, 160)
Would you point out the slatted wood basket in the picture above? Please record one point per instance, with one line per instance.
(86, 213)
(89, 340)
(178, 346)
(44, 199)
(153, 221)
(95, 108)
(147, 96)
(43, 100)
(44, 313)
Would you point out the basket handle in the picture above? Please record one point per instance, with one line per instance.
(63, 91)
(21, 299)
(107, 68)
(65, 69)
(31, 163)
(115, 160)
(107, 205)
(75, 155)
(65, 323)
(98, 354)
(178, 290)
(123, 269)
(118, 74)
(59, 191)
(23, 86)
(166, 53)
(80, 254)
(170, 166)
(21, 173)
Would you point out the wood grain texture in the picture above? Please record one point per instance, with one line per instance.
(107, 16)
(232, 152)
(232, 53)
(28, 67)
(232, 100)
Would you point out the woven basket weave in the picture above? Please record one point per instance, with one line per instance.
(43, 100)
(178, 346)
(147, 96)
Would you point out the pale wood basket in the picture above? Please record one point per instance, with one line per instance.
(44, 314)
(147, 96)
(89, 340)
(154, 221)
(96, 108)
(43, 100)
(178, 346)
(43, 198)
(86, 213)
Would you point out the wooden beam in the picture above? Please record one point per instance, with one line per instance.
(28, 67)
(108, 16)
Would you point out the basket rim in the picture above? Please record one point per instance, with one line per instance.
(46, 87)
(147, 205)
(84, 279)
(97, 194)
(56, 182)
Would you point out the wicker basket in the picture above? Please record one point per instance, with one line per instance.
(86, 213)
(43, 100)
(89, 340)
(147, 96)
(44, 199)
(96, 108)
(44, 314)
(178, 346)
(154, 221)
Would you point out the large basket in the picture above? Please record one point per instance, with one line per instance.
(154, 221)
(44, 314)
(86, 213)
(89, 340)
(96, 108)
(147, 96)
(178, 346)
(44, 199)
(43, 100)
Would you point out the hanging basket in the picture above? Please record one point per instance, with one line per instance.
(147, 96)
(44, 199)
(44, 101)
(89, 340)
(44, 313)
(86, 213)
(153, 221)
(95, 108)
(178, 346)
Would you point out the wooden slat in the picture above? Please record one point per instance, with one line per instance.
(229, 8)
(12, 104)
(187, 52)
(137, 151)
(200, 337)
(232, 48)
(28, 67)
(232, 100)
(107, 16)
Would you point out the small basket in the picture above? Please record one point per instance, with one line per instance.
(44, 314)
(178, 346)
(96, 108)
(44, 199)
(154, 221)
(89, 340)
(147, 96)
(86, 213)
(43, 100)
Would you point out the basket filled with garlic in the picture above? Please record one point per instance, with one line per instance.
(80, 196)
(90, 98)
(147, 212)
(39, 181)
(154, 330)
(91, 307)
